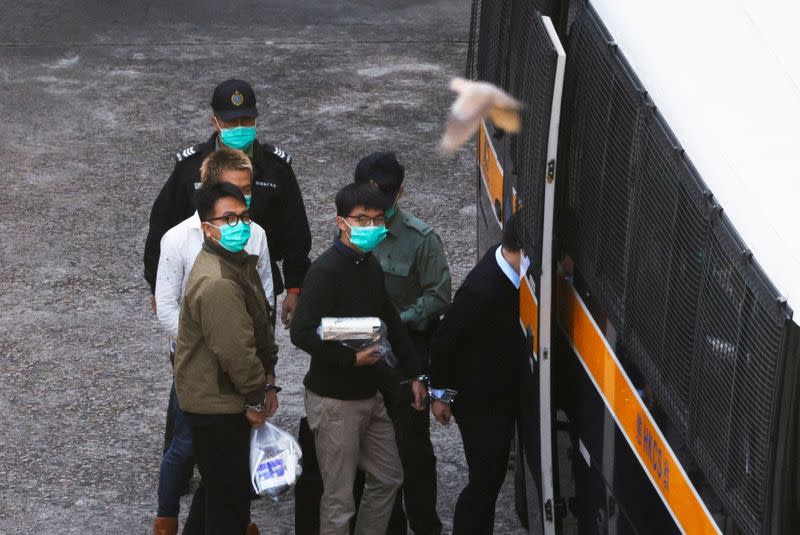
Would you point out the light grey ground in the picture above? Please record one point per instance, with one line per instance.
(96, 98)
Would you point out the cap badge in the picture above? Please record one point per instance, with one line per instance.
(237, 98)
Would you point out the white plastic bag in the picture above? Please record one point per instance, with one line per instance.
(275, 461)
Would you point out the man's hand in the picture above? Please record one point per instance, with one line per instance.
(420, 393)
(271, 403)
(288, 308)
(256, 418)
(441, 411)
(368, 357)
(153, 302)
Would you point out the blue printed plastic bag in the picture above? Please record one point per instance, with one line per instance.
(275, 461)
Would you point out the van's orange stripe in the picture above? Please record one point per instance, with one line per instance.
(529, 314)
(491, 172)
(631, 415)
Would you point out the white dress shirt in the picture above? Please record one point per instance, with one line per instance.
(179, 249)
(507, 268)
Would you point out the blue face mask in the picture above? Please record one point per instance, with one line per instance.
(239, 137)
(247, 200)
(233, 238)
(367, 238)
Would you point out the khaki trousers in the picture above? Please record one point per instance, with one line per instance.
(349, 435)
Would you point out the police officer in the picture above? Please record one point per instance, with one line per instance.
(276, 203)
(418, 282)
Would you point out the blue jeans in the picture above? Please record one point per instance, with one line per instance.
(177, 463)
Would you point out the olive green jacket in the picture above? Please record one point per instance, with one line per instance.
(415, 268)
(226, 343)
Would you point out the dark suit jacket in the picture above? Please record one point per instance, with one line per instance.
(478, 346)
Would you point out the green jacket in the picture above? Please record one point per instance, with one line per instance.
(415, 268)
(226, 343)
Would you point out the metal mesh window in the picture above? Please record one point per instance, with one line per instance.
(545, 7)
(532, 75)
(733, 386)
(603, 152)
(668, 233)
(492, 30)
(474, 39)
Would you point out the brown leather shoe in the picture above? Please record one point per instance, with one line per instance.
(165, 525)
(252, 529)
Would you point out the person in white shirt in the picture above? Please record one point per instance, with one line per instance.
(179, 249)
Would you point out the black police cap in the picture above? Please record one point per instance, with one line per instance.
(233, 99)
(383, 170)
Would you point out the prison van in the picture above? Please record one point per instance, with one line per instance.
(657, 178)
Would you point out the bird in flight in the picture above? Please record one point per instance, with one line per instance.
(477, 101)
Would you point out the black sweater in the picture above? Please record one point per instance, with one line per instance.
(343, 283)
(478, 346)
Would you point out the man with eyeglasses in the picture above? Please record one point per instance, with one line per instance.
(275, 203)
(418, 283)
(179, 249)
(345, 410)
(224, 361)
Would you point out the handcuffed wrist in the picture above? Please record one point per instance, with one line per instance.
(256, 407)
(445, 395)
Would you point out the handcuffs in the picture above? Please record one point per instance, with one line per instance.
(261, 406)
(445, 395)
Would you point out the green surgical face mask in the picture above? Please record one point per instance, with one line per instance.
(389, 213)
(367, 238)
(233, 238)
(239, 137)
(247, 200)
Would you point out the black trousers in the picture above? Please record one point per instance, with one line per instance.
(486, 431)
(415, 505)
(413, 434)
(221, 504)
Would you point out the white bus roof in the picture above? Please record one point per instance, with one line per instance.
(726, 76)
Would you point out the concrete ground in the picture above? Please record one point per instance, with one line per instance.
(97, 96)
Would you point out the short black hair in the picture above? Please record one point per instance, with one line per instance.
(381, 168)
(512, 233)
(358, 194)
(206, 198)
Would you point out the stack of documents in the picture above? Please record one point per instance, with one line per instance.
(365, 328)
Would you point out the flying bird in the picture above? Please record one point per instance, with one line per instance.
(475, 102)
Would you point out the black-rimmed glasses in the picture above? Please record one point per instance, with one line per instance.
(233, 219)
(364, 221)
